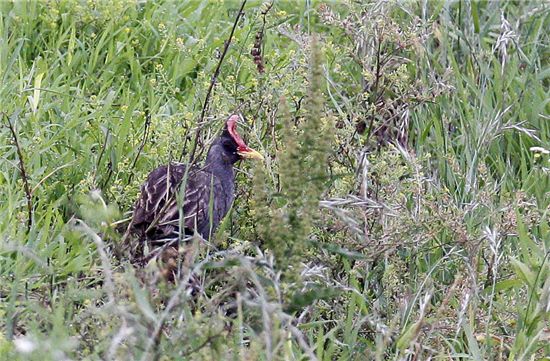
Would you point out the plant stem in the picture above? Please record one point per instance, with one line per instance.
(212, 84)
(24, 176)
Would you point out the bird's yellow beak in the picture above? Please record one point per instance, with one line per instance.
(249, 153)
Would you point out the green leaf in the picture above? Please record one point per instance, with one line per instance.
(141, 298)
(524, 272)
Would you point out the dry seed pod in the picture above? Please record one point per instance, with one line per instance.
(256, 52)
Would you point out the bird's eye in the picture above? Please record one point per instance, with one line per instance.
(229, 145)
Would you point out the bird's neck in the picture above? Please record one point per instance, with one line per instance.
(219, 164)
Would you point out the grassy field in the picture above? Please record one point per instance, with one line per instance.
(402, 211)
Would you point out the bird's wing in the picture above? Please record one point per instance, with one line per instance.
(199, 203)
(156, 193)
(156, 212)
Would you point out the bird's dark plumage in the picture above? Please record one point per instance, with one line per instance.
(207, 194)
(156, 214)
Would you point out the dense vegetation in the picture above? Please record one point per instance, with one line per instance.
(402, 211)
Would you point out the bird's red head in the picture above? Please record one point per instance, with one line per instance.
(243, 150)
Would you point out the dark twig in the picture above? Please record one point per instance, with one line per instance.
(264, 14)
(24, 176)
(142, 145)
(109, 174)
(256, 51)
(206, 342)
(107, 133)
(376, 84)
(212, 84)
(109, 164)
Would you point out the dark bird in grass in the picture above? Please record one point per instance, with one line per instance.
(205, 196)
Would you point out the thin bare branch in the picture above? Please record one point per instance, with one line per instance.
(213, 81)
(24, 177)
(142, 145)
(107, 133)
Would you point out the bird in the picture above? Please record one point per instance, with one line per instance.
(207, 193)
